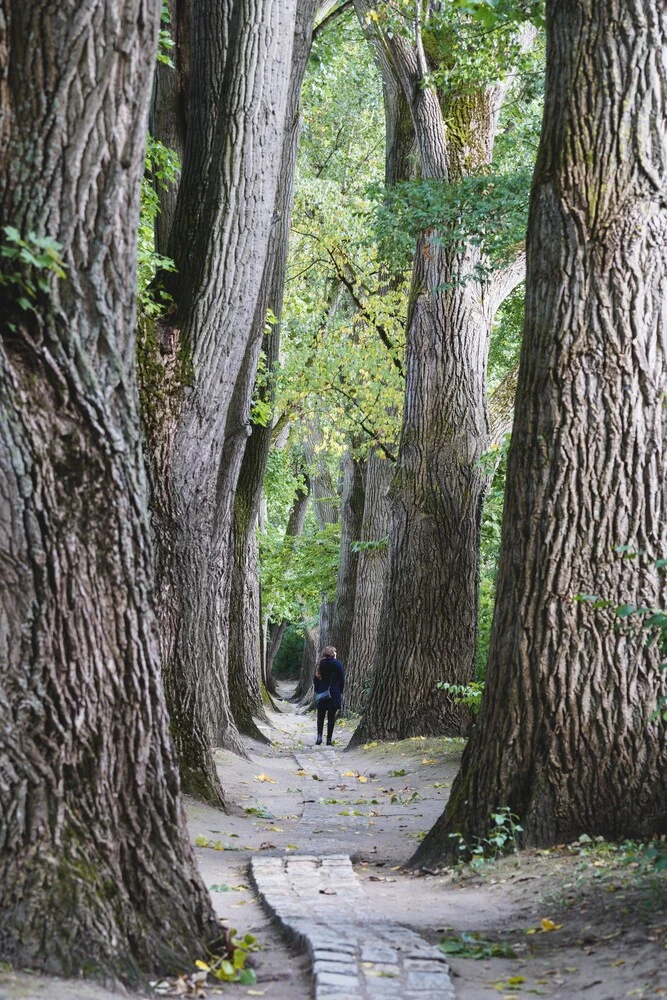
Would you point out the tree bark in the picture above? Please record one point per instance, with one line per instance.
(240, 60)
(169, 110)
(352, 513)
(371, 577)
(97, 874)
(244, 621)
(428, 624)
(565, 738)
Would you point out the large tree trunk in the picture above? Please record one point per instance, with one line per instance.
(371, 577)
(428, 624)
(565, 738)
(240, 59)
(96, 871)
(352, 513)
(244, 620)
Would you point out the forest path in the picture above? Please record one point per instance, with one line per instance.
(291, 798)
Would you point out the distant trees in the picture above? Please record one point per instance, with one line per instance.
(97, 875)
(428, 625)
(565, 737)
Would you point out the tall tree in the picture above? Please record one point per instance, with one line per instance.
(97, 875)
(371, 576)
(240, 68)
(351, 517)
(565, 737)
(244, 657)
(429, 618)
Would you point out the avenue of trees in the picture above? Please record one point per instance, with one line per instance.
(322, 322)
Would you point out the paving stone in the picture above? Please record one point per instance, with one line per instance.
(355, 954)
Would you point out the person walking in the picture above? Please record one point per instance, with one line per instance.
(328, 681)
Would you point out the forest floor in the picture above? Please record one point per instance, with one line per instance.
(585, 920)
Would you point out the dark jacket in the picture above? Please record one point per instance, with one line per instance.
(333, 677)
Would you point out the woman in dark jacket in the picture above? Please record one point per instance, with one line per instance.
(329, 681)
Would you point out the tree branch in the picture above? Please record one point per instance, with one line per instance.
(334, 15)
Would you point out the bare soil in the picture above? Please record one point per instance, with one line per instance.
(604, 906)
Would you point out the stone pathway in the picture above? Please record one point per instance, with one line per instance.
(319, 903)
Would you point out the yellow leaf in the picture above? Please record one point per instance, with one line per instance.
(516, 980)
(362, 778)
(201, 841)
(301, 771)
(619, 961)
(218, 846)
(549, 925)
(264, 777)
(367, 746)
(349, 774)
(532, 930)
(428, 760)
(292, 847)
(202, 965)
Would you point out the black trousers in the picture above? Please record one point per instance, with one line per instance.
(323, 710)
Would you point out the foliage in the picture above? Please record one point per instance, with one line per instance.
(502, 838)
(488, 210)
(495, 462)
(287, 661)
(476, 947)
(231, 966)
(162, 168)
(165, 41)
(465, 694)
(33, 262)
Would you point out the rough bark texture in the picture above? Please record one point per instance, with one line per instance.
(428, 624)
(169, 110)
(564, 737)
(351, 516)
(96, 871)
(371, 578)
(244, 622)
(240, 64)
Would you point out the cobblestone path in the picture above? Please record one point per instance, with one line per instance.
(319, 903)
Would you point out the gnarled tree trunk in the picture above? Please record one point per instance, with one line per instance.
(371, 578)
(240, 65)
(565, 737)
(96, 871)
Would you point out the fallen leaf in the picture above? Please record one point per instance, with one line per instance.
(349, 774)
(619, 961)
(203, 965)
(301, 771)
(293, 847)
(274, 829)
(429, 760)
(255, 993)
(265, 777)
(266, 845)
(201, 841)
(549, 925)
(362, 778)
(516, 980)
(328, 892)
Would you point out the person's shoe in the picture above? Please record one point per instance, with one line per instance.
(330, 743)
(318, 741)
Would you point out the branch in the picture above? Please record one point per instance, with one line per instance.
(331, 17)
(505, 279)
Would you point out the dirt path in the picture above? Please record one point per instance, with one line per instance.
(609, 909)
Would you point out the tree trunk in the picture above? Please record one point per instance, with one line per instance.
(169, 110)
(352, 513)
(304, 689)
(97, 874)
(244, 621)
(428, 625)
(240, 61)
(371, 577)
(565, 738)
